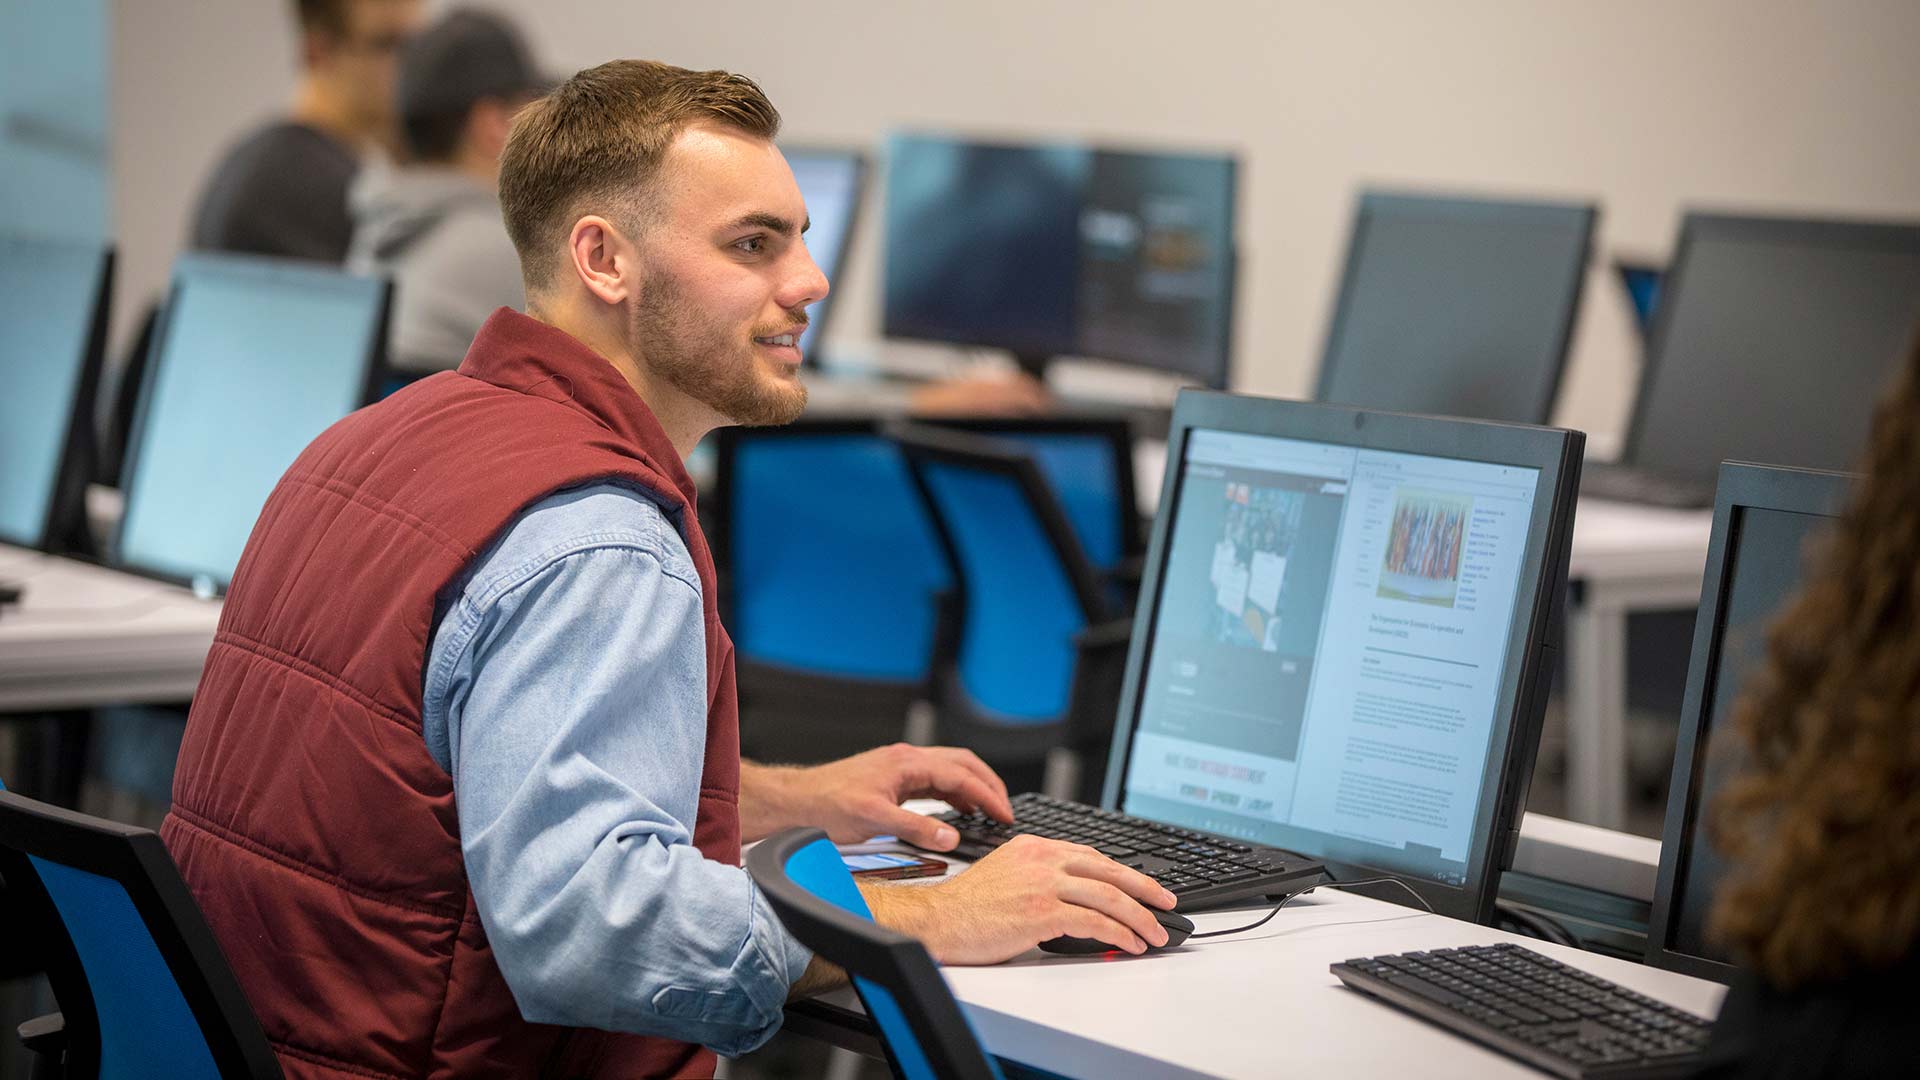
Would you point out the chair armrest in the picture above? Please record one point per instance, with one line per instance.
(45, 1035)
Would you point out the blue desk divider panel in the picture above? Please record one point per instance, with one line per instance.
(1017, 652)
(835, 566)
(146, 1027)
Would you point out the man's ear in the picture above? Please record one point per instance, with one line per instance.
(605, 261)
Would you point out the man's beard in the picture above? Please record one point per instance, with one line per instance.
(707, 363)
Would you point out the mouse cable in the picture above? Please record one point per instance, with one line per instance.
(1291, 897)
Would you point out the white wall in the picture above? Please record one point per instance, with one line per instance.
(1644, 105)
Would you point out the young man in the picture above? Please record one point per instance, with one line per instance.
(461, 793)
(282, 190)
(433, 224)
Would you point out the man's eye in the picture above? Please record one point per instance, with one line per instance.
(752, 245)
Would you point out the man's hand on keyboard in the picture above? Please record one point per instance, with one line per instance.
(1026, 891)
(857, 798)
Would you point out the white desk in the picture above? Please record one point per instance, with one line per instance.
(1625, 558)
(1260, 1004)
(87, 635)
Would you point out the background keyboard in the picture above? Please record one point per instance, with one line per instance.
(1198, 868)
(1539, 1010)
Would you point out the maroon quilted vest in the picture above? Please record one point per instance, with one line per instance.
(316, 832)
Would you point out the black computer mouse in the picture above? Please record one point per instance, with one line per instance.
(1178, 927)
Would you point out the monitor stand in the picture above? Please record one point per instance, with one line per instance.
(1034, 364)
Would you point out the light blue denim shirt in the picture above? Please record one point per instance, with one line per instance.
(566, 694)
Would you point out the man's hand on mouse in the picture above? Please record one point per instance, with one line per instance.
(857, 798)
(1026, 891)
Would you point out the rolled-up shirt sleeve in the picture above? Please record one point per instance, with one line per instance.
(567, 697)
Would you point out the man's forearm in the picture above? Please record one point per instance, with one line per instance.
(770, 800)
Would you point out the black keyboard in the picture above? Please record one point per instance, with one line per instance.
(1625, 483)
(1196, 867)
(1541, 1011)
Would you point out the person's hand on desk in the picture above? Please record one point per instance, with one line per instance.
(857, 798)
(1024, 892)
(1008, 394)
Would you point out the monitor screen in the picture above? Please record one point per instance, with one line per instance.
(1062, 250)
(1456, 308)
(1330, 646)
(1773, 341)
(50, 295)
(254, 360)
(829, 181)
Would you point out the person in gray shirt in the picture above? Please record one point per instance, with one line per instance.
(433, 224)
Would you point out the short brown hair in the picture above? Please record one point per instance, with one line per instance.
(595, 143)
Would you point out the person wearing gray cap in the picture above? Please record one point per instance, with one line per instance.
(433, 222)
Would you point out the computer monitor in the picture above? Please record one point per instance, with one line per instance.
(54, 297)
(1773, 339)
(1341, 647)
(1763, 520)
(253, 358)
(1456, 307)
(831, 182)
(1062, 249)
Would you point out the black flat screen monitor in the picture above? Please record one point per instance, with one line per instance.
(1064, 249)
(1341, 646)
(253, 358)
(1763, 521)
(53, 320)
(1773, 339)
(1456, 307)
(831, 183)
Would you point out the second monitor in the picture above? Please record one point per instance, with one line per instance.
(1456, 307)
(1066, 249)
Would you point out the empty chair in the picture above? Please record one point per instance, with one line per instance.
(1033, 614)
(924, 1032)
(143, 989)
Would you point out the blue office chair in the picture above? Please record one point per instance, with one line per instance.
(1032, 661)
(142, 985)
(925, 1033)
(831, 584)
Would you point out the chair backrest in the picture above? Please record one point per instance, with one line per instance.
(1087, 461)
(925, 1033)
(141, 982)
(829, 562)
(1027, 586)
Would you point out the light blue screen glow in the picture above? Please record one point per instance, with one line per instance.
(254, 363)
(47, 297)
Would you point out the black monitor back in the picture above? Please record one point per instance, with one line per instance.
(1457, 307)
(1772, 340)
(1763, 521)
(1062, 249)
(54, 297)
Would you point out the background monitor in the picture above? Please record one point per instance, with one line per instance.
(1456, 307)
(1773, 339)
(831, 183)
(1341, 647)
(254, 358)
(53, 319)
(1050, 250)
(1763, 519)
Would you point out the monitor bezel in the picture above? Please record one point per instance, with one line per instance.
(822, 309)
(63, 527)
(1742, 487)
(1521, 701)
(259, 267)
(1714, 225)
(1372, 204)
(1222, 366)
